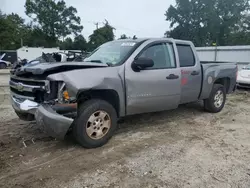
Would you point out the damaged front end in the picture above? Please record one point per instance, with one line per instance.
(55, 116)
(47, 92)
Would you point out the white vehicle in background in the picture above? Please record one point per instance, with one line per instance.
(243, 79)
(4, 64)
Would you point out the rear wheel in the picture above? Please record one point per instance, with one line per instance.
(95, 123)
(216, 101)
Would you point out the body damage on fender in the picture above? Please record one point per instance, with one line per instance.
(78, 81)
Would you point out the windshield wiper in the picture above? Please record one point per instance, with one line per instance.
(110, 64)
(99, 61)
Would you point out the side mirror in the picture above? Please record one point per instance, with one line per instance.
(142, 63)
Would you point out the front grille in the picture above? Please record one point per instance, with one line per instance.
(24, 93)
(28, 88)
(28, 82)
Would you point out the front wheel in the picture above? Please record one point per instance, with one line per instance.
(95, 123)
(216, 101)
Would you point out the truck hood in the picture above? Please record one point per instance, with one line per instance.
(93, 78)
(55, 67)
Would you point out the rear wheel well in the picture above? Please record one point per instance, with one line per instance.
(109, 95)
(223, 81)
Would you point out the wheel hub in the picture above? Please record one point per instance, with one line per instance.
(218, 99)
(98, 125)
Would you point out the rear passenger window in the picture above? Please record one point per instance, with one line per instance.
(186, 56)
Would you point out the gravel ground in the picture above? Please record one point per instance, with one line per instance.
(4, 79)
(181, 148)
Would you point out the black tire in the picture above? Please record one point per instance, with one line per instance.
(25, 116)
(3, 66)
(84, 112)
(209, 104)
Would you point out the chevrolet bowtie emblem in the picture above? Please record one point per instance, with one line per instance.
(19, 86)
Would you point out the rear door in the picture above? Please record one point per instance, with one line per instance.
(156, 88)
(191, 75)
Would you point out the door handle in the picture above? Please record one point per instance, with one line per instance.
(172, 77)
(194, 73)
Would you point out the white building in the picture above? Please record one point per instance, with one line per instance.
(239, 54)
(31, 53)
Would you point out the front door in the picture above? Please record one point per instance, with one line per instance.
(191, 75)
(156, 88)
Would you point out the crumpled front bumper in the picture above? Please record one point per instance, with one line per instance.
(47, 119)
(24, 105)
(52, 123)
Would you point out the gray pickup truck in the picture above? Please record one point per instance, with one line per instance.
(118, 79)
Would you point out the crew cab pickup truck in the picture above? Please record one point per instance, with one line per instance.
(119, 78)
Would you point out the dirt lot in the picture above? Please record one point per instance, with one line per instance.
(181, 148)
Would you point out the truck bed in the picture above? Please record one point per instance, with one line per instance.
(220, 72)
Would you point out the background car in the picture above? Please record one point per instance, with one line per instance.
(243, 79)
(4, 64)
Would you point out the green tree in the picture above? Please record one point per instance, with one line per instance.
(67, 44)
(205, 22)
(241, 33)
(54, 18)
(4, 31)
(134, 37)
(101, 35)
(123, 36)
(37, 38)
(80, 43)
(12, 30)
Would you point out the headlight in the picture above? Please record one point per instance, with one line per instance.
(47, 86)
(64, 93)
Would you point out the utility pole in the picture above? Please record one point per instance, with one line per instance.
(96, 24)
(216, 49)
(21, 42)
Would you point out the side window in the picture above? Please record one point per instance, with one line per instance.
(186, 56)
(162, 55)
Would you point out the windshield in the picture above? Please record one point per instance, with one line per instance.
(111, 53)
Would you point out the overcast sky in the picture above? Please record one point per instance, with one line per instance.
(143, 18)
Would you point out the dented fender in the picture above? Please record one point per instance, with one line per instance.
(111, 78)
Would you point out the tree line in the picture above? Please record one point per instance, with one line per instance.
(208, 22)
(53, 23)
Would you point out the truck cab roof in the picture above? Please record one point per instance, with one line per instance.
(158, 39)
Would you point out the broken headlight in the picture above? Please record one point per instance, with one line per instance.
(64, 95)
